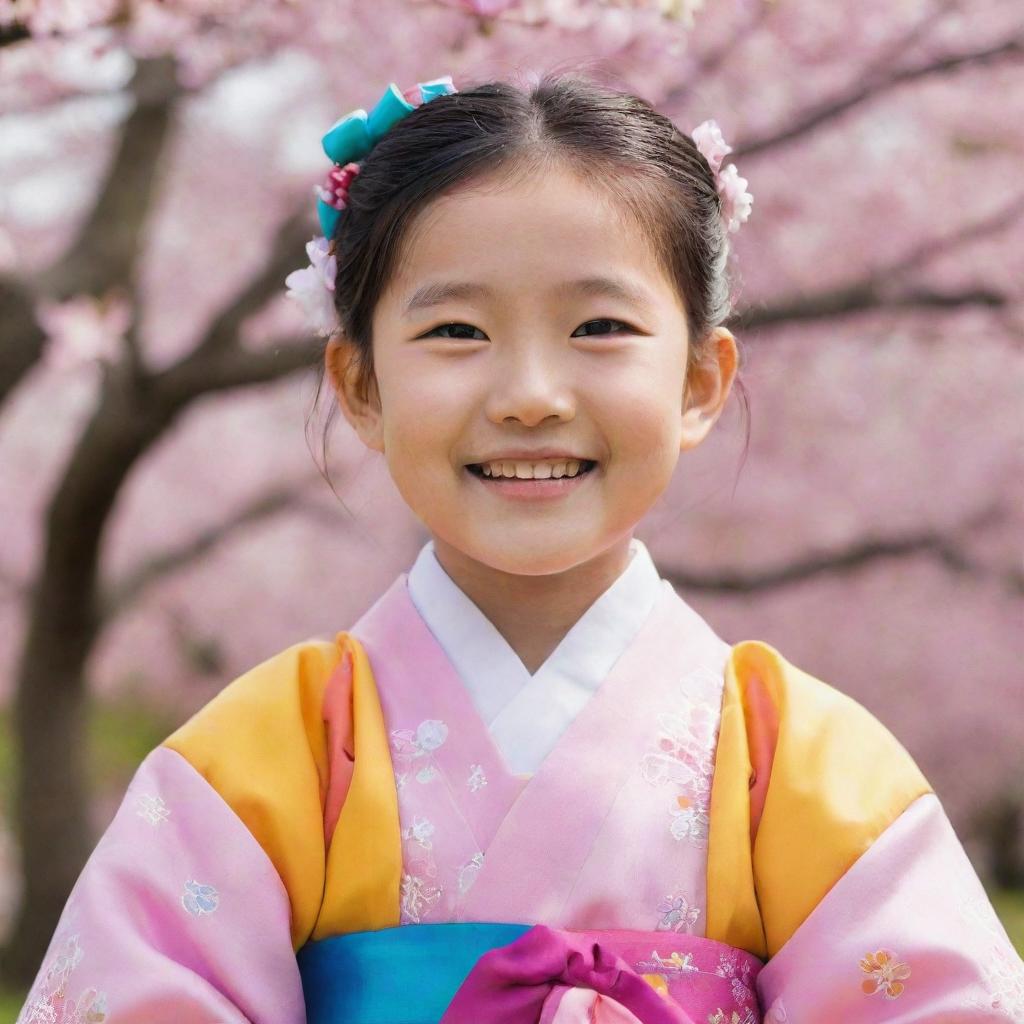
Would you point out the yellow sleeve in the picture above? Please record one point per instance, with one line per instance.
(805, 780)
(262, 744)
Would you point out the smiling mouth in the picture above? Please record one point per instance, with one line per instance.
(586, 465)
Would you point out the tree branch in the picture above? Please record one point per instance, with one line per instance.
(197, 375)
(854, 557)
(882, 287)
(864, 90)
(117, 596)
(859, 298)
(22, 338)
(105, 252)
(992, 224)
(284, 254)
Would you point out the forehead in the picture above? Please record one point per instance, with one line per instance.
(528, 234)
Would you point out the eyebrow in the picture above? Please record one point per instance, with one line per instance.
(438, 292)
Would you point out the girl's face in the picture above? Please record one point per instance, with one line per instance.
(525, 317)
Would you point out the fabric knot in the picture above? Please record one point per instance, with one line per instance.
(521, 983)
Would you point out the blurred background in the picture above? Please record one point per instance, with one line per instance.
(164, 525)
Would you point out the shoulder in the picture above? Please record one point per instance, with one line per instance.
(809, 779)
(809, 737)
(271, 688)
(262, 745)
(266, 720)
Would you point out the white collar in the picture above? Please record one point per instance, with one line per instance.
(526, 714)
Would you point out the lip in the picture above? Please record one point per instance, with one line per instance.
(522, 455)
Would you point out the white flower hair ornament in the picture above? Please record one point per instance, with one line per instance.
(347, 142)
(736, 200)
(313, 287)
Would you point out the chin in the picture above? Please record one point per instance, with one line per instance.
(539, 559)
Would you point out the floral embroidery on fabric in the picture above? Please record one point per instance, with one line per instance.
(776, 1013)
(419, 746)
(885, 974)
(676, 913)
(152, 809)
(199, 899)
(674, 963)
(739, 978)
(430, 734)
(417, 897)
(420, 832)
(63, 964)
(1005, 982)
(477, 780)
(46, 1005)
(682, 756)
(1004, 977)
(689, 821)
(469, 871)
(414, 759)
(91, 1008)
(721, 1016)
(658, 970)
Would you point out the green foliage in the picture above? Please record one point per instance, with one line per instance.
(10, 1005)
(1009, 904)
(121, 731)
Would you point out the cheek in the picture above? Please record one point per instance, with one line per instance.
(644, 424)
(422, 429)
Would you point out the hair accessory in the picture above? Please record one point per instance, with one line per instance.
(736, 201)
(351, 137)
(347, 142)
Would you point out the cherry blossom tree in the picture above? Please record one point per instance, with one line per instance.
(157, 175)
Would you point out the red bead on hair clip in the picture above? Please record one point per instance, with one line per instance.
(334, 191)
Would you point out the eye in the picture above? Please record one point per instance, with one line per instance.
(590, 334)
(445, 327)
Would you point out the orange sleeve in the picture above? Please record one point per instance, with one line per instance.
(296, 746)
(805, 780)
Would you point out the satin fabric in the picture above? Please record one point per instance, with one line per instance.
(272, 819)
(465, 973)
(394, 974)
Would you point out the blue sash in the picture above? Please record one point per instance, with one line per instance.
(404, 975)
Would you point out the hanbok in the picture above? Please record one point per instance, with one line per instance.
(712, 835)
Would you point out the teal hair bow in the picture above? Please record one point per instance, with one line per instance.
(354, 135)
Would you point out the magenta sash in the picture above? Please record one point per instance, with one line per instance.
(554, 976)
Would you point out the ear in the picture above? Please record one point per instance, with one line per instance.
(707, 387)
(363, 412)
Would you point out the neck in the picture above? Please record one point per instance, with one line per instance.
(533, 613)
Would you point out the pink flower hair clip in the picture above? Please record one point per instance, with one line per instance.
(736, 201)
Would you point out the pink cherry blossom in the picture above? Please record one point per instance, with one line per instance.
(708, 137)
(83, 330)
(736, 201)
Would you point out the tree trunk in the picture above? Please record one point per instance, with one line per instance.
(52, 793)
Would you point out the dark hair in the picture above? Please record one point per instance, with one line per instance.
(632, 152)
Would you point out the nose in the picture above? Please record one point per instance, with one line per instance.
(530, 385)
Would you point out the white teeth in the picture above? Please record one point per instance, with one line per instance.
(532, 470)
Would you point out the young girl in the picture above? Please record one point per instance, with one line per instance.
(530, 783)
